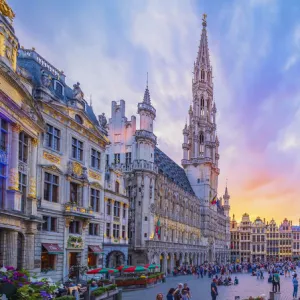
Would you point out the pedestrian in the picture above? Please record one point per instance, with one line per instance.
(295, 285)
(160, 296)
(178, 292)
(276, 282)
(214, 290)
(170, 294)
(186, 290)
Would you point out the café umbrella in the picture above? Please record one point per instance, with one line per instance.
(134, 269)
(102, 271)
(120, 268)
(152, 266)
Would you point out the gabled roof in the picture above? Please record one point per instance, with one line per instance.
(172, 171)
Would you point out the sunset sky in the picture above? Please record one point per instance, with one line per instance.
(109, 46)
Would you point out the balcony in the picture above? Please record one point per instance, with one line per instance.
(72, 209)
(138, 164)
(117, 219)
(145, 134)
(3, 157)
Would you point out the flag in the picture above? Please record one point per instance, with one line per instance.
(213, 201)
(157, 229)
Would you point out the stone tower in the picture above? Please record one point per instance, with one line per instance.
(200, 147)
(226, 206)
(144, 174)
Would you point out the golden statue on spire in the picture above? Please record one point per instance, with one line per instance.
(5, 10)
(204, 16)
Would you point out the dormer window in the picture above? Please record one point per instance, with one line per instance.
(78, 119)
(59, 89)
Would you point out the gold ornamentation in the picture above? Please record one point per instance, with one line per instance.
(34, 142)
(6, 11)
(96, 185)
(51, 157)
(77, 168)
(68, 221)
(13, 179)
(17, 127)
(85, 223)
(204, 17)
(94, 175)
(32, 188)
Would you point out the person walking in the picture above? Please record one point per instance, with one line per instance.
(178, 292)
(214, 290)
(170, 294)
(295, 285)
(276, 282)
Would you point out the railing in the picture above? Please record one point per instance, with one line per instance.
(146, 134)
(3, 157)
(174, 245)
(71, 207)
(139, 164)
(116, 219)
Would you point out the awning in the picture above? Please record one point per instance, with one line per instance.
(96, 249)
(53, 248)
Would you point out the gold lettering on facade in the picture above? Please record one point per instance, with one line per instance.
(51, 157)
(94, 175)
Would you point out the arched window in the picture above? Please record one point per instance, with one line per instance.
(202, 107)
(201, 138)
(78, 119)
(208, 77)
(117, 187)
(202, 75)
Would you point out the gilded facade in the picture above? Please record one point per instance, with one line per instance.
(21, 126)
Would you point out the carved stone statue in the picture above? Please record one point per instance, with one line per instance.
(45, 79)
(102, 120)
(77, 92)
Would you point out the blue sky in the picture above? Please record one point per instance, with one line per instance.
(109, 46)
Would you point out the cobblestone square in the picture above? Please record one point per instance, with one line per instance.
(200, 288)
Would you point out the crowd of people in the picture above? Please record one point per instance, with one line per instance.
(222, 274)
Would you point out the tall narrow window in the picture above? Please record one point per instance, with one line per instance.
(117, 187)
(95, 159)
(124, 211)
(3, 135)
(123, 232)
(117, 209)
(116, 230)
(107, 160)
(201, 140)
(52, 138)
(77, 149)
(117, 158)
(202, 75)
(51, 186)
(75, 193)
(23, 147)
(128, 158)
(108, 207)
(108, 230)
(93, 229)
(2, 185)
(23, 189)
(75, 227)
(202, 107)
(50, 223)
(95, 200)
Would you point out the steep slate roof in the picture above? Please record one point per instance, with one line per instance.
(31, 64)
(171, 170)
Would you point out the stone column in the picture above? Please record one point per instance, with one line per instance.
(126, 223)
(112, 218)
(14, 197)
(171, 262)
(11, 248)
(3, 233)
(85, 196)
(165, 264)
(29, 251)
(31, 202)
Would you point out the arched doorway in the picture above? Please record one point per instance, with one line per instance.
(115, 259)
(20, 247)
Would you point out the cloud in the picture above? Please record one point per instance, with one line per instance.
(109, 48)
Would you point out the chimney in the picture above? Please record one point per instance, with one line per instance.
(265, 220)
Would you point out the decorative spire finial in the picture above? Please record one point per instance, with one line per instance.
(147, 98)
(6, 11)
(204, 20)
(147, 79)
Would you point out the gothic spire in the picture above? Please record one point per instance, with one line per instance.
(147, 98)
(203, 52)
